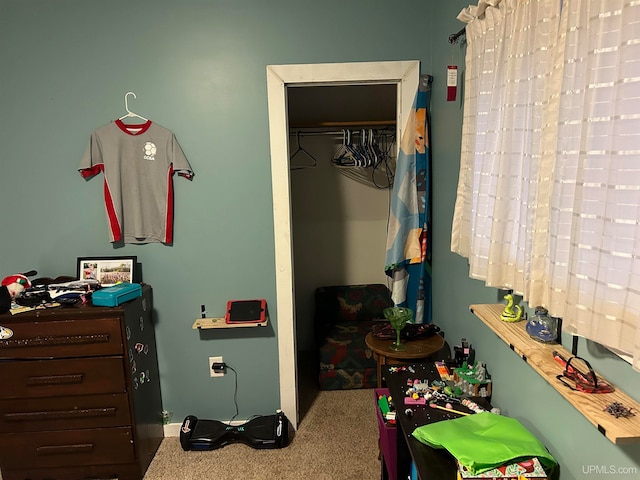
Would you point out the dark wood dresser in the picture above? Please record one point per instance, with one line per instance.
(79, 392)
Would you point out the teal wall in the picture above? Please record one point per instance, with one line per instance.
(198, 68)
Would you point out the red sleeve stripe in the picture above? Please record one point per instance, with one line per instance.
(92, 171)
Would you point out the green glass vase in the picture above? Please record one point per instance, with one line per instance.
(398, 317)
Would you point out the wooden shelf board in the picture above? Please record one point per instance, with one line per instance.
(220, 323)
(540, 357)
(350, 123)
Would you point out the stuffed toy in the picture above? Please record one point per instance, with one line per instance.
(11, 287)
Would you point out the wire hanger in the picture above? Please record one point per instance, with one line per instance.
(129, 112)
(301, 150)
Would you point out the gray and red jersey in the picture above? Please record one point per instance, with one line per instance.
(138, 163)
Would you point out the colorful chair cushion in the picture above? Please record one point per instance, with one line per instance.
(344, 315)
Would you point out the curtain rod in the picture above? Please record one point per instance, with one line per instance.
(453, 38)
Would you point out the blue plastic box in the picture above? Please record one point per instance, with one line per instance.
(116, 295)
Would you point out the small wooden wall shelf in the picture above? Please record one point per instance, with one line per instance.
(220, 323)
(540, 357)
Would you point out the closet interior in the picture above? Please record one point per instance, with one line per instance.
(342, 151)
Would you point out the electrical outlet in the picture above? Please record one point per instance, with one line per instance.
(213, 360)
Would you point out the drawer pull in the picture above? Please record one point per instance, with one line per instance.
(61, 449)
(55, 341)
(60, 414)
(55, 379)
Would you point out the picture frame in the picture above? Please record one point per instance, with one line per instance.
(108, 270)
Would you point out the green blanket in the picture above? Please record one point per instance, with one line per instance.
(484, 441)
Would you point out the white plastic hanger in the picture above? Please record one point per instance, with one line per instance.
(129, 112)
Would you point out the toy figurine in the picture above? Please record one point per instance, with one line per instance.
(511, 313)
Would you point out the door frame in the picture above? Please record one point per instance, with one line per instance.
(405, 74)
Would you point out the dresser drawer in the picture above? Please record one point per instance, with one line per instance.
(62, 338)
(51, 378)
(72, 447)
(120, 471)
(64, 413)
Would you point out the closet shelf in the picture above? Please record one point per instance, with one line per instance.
(363, 123)
(540, 357)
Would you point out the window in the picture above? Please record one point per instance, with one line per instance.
(548, 199)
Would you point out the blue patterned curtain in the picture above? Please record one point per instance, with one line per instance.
(408, 258)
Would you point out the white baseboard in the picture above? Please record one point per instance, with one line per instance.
(172, 429)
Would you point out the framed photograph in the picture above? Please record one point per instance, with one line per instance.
(108, 270)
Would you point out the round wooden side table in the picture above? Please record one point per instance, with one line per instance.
(417, 349)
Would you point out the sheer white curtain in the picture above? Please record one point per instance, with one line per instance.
(508, 61)
(549, 191)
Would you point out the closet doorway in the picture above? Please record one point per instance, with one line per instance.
(405, 76)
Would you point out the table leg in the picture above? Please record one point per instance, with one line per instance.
(379, 363)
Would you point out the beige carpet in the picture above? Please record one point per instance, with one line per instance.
(336, 440)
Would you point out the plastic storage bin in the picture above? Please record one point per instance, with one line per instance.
(387, 437)
(116, 295)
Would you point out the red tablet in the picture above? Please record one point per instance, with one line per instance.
(246, 311)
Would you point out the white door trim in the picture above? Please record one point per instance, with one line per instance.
(406, 75)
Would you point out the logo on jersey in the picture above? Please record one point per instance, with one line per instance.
(150, 151)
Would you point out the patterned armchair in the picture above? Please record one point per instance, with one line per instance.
(344, 315)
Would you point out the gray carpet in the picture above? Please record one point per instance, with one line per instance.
(336, 440)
